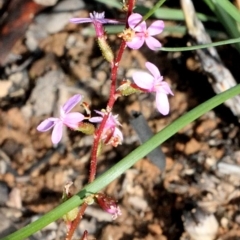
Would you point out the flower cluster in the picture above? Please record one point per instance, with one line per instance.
(109, 132)
(135, 36)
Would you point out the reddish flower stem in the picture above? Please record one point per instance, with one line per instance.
(111, 101)
(98, 133)
(76, 221)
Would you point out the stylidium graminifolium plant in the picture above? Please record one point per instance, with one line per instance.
(108, 132)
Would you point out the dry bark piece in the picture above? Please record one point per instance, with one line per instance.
(219, 76)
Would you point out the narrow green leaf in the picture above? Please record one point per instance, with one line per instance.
(162, 13)
(124, 164)
(111, 3)
(90, 31)
(152, 10)
(227, 21)
(181, 49)
(230, 9)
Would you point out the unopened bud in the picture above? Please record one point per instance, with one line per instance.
(105, 49)
(108, 204)
(71, 215)
(127, 88)
(89, 199)
(86, 128)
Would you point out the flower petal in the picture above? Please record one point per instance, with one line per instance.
(117, 133)
(95, 119)
(143, 80)
(165, 88)
(73, 119)
(71, 103)
(57, 132)
(153, 43)
(47, 124)
(96, 15)
(136, 42)
(99, 112)
(153, 70)
(81, 20)
(162, 103)
(134, 19)
(155, 28)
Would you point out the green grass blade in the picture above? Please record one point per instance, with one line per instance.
(124, 164)
(111, 3)
(152, 10)
(90, 31)
(227, 21)
(230, 9)
(162, 13)
(181, 49)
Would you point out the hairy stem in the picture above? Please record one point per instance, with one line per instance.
(98, 133)
(76, 221)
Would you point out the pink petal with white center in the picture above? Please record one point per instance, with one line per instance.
(143, 80)
(73, 119)
(153, 70)
(136, 42)
(71, 103)
(162, 103)
(153, 43)
(155, 28)
(57, 132)
(134, 22)
(47, 124)
(95, 119)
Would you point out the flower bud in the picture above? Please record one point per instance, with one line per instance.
(71, 215)
(127, 88)
(108, 204)
(105, 49)
(86, 128)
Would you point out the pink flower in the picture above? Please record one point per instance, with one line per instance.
(111, 134)
(154, 83)
(71, 120)
(98, 19)
(94, 17)
(144, 34)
